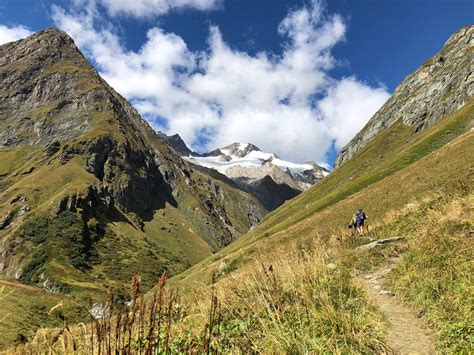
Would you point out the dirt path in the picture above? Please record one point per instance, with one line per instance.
(408, 334)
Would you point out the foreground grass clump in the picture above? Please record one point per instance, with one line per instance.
(303, 303)
(435, 276)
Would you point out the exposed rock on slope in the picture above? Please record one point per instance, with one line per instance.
(270, 179)
(271, 194)
(440, 86)
(74, 147)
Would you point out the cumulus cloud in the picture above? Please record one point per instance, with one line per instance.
(347, 107)
(9, 34)
(286, 103)
(150, 8)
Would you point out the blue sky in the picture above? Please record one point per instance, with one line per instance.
(294, 77)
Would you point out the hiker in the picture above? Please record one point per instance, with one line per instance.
(360, 218)
(353, 224)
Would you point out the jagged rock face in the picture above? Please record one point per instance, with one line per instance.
(440, 86)
(43, 96)
(238, 150)
(50, 95)
(55, 105)
(177, 143)
(270, 179)
(143, 188)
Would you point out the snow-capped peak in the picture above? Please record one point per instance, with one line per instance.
(239, 150)
(245, 160)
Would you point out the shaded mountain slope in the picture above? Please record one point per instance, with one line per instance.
(90, 194)
(271, 194)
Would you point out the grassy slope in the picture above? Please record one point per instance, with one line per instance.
(26, 308)
(167, 241)
(396, 170)
(371, 180)
(308, 301)
(435, 277)
(175, 235)
(385, 185)
(170, 241)
(48, 183)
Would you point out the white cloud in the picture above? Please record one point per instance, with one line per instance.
(9, 34)
(221, 95)
(347, 107)
(150, 8)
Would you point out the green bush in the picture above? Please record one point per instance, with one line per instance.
(64, 237)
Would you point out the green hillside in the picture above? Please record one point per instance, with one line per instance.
(90, 195)
(25, 309)
(293, 288)
(410, 184)
(373, 168)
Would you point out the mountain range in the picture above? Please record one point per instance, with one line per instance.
(91, 196)
(266, 176)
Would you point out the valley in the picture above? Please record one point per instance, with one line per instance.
(236, 250)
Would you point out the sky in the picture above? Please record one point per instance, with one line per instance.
(298, 78)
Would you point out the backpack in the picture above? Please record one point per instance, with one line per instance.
(360, 216)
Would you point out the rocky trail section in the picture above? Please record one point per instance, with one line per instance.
(378, 243)
(407, 333)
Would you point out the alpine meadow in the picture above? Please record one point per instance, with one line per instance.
(204, 219)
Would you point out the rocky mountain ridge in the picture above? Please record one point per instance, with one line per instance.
(442, 85)
(269, 178)
(74, 149)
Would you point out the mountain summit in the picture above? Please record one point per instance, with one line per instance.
(89, 191)
(269, 178)
(238, 150)
(245, 160)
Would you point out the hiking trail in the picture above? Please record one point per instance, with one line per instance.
(407, 333)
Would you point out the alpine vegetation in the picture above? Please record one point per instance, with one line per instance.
(119, 238)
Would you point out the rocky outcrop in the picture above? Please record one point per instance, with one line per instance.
(266, 176)
(65, 118)
(267, 191)
(6, 220)
(44, 94)
(95, 200)
(440, 86)
(51, 148)
(131, 177)
(177, 143)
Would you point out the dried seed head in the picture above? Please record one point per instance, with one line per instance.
(135, 287)
(162, 281)
(110, 301)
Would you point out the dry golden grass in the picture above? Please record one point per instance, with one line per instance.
(304, 301)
